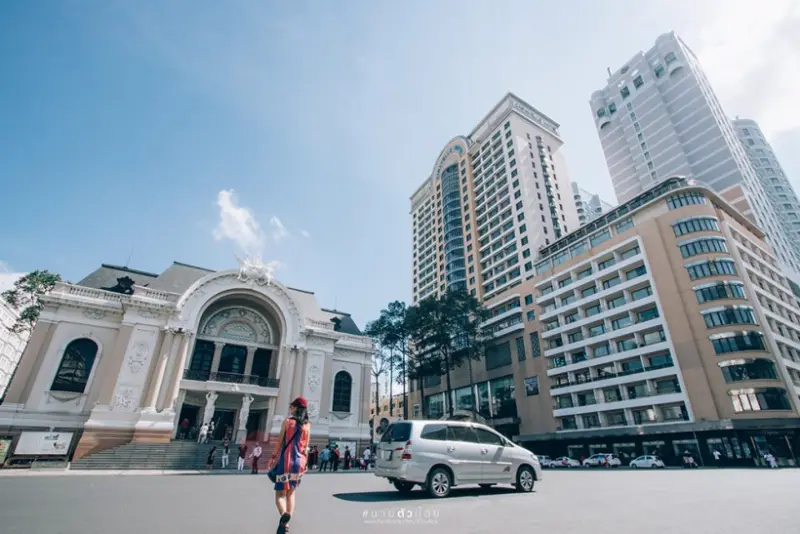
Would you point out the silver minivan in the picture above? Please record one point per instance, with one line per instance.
(438, 455)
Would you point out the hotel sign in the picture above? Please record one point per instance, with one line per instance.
(455, 148)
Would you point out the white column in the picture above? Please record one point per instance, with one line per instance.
(217, 355)
(248, 366)
(160, 370)
(178, 405)
(174, 373)
(179, 362)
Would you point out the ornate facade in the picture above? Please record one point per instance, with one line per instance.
(111, 364)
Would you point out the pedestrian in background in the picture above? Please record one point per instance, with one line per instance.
(325, 459)
(242, 456)
(210, 461)
(226, 445)
(203, 435)
(256, 457)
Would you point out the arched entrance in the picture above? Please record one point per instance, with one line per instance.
(231, 376)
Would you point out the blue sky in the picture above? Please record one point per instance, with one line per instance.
(125, 125)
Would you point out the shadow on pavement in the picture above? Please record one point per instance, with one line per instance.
(396, 496)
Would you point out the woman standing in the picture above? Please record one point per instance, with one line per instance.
(290, 460)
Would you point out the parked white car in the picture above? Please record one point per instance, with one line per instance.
(565, 461)
(438, 455)
(601, 460)
(545, 461)
(651, 462)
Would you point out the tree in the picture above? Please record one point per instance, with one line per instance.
(25, 298)
(390, 330)
(447, 329)
(472, 339)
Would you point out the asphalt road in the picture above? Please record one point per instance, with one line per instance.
(574, 501)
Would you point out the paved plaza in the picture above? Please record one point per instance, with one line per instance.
(619, 502)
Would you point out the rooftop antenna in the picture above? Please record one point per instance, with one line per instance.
(609, 71)
(128, 261)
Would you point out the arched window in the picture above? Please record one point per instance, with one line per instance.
(76, 366)
(342, 388)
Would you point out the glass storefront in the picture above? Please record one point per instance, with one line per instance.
(483, 400)
(504, 403)
(464, 398)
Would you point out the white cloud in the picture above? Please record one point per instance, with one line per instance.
(279, 231)
(238, 224)
(751, 56)
(305, 234)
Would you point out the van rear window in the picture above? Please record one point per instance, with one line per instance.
(400, 431)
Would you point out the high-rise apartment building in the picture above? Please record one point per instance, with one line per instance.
(494, 197)
(775, 182)
(664, 326)
(589, 206)
(658, 117)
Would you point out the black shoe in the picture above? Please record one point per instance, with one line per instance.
(283, 527)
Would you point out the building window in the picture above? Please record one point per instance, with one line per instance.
(751, 369)
(755, 400)
(685, 199)
(498, 356)
(638, 82)
(342, 390)
(696, 224)
(703, 246)
(612, 108)
(720, 291)
(641, 293)
(520, 341)
(738, 342)
(669, 58)
(76, 366)
(625, 92)
(716, 267)
(631, 252)
(536, 350)
(624, 225)
(659, 70)
(729, 316)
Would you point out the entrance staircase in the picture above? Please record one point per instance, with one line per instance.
(176, 455)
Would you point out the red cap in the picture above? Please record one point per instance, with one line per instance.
(300, 402)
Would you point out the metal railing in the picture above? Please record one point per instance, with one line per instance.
(607, 375)
(231, 378)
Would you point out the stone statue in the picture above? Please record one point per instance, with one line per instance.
(244, 413)
(208, 413)
(254, 269)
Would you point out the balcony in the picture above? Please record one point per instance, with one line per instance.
(231, 378)
(609, 375)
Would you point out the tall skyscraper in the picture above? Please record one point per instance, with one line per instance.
(588, 205)
(494, 197)
(659, 117)
(779, 190)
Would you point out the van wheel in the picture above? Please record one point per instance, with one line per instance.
(439, 483)
(403, 487)
(525, 479)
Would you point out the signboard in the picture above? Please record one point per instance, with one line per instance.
(43, 443)
(5, 447)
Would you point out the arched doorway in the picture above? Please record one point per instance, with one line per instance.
(231, 374)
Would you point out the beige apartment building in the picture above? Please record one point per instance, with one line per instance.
(663, 326)
(494, 197)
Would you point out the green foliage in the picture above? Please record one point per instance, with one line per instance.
(446, 333)
(25, 298)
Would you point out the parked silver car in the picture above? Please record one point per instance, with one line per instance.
(438, 455)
